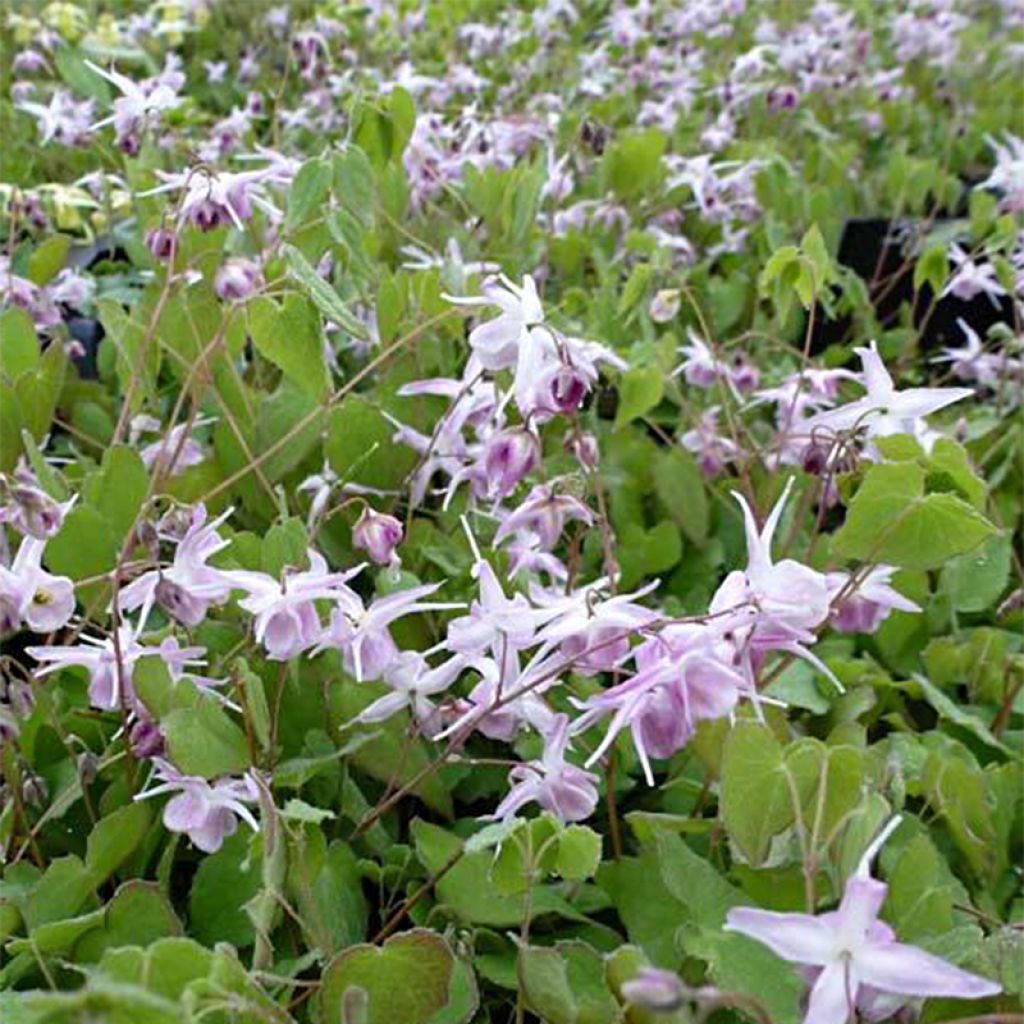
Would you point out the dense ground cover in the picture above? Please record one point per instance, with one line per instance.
(511, 512)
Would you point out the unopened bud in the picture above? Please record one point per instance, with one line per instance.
(654, 989)
(378, 535)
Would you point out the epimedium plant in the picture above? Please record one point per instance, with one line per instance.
(478, 545)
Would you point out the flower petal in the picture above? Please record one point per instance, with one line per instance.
(799, 938)
(909, 971)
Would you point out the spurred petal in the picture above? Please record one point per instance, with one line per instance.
(799, 938)
(876, 376)
(858, 910)
(909, 971)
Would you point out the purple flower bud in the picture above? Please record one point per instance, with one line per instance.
(146, 739)
(378, 535)
(238, 279)
(34, 512)
(814, 459)
(585, 448)
(654, 989)
(161, 243)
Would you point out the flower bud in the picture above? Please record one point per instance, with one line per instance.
(238, 279)
(161, 243)
(585, 448)
(146, 739)
(654, 989)
(34, 512)
(814, 459)
(378, 535)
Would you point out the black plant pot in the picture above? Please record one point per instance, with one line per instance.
(874, 249)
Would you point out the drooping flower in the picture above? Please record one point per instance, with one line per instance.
(869, 604)
(378, 535)
(568, 792)
(543, 513)
(854, 954)
(207, 812)
(413, 682)
(361, 633)
(140, 105)
(971, 279)
(188, 587)
(285, 616)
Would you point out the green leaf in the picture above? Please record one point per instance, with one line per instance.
(359, 446)
(680, 486)
(118, 490)
(285, 545)
(327, 300)
(756, 803)
(115, 838)
(225, 882)
(648, 552)
(739, 964)
(73, 70)
(325, 884)
(632, 164)
(891, 520)
(565, 984)
(652, 915)
(975, 581)
(19, 346)
(408, 979)
(932, 268)
(60, 892)
(579, 853)
(354, 183)
(694, 882)
(289, 336)
(204, 741)
(137, 915)
(640, 390)
(48, 258)
(308, 192)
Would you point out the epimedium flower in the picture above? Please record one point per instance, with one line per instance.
(217, 199)
(238, 279)
(544, 512)
(361, 631)
(31, 595)
(207, 812)
(884, 410)
(188, 587)
(855, 955)
(285, 616)
(868, 605)
(110, 688)
(413, 682)
(140, 105)
(378, 535)
(568, 792)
